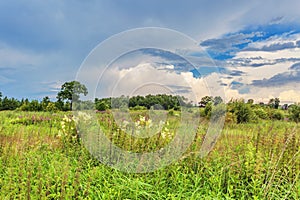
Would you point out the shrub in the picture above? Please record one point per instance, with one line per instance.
(101, 106)
(230, 118)
(243, 112)
(207, 110)
(51, 107)
(254, 117)
(261, 113)
(138, 108)
(277, 115)
(294, 112)
(171, 112)
(218, 112)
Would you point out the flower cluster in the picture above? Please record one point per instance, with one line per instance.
(69, 123)
(82, 116)
(166, 133)
(68, 128)
(143, 122)
(125, 125)
(145, 127)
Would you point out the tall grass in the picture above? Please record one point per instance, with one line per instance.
(249, 161)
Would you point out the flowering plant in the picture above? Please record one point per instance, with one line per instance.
(68, 129)
(144, 127)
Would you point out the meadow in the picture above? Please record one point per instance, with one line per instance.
(41, 157)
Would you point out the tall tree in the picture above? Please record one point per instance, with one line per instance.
(71, 91)
(276, 103)
(45, 102)
(205, 100)
(271, 103)
(9, 103)
(217, 100)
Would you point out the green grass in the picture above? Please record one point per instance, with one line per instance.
(249, 161)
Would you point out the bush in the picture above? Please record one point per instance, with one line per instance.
(277, 115)
(101, 106)
(243, 112)
(261, 113)
(230, 118)
(207, 110)
(202, 112)
(254, 117)
(218, 112)
(51, 107)
(138, 108)
(294, 112)
(171, 112)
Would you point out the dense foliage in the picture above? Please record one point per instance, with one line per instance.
(237, 110)
(159, 101)
(71, 91)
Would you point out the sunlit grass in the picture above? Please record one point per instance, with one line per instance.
(249, 161)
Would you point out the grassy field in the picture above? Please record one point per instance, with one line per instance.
(40, 158)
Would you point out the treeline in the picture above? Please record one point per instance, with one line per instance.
(239, 111)
(159, 101)
(69, 92)
(45, 105)
(7, 103)
(236, 110)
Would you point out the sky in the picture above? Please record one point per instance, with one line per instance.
(251, 48)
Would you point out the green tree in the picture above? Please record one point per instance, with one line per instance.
(34, 105)
(276, 103)
(208, 108)
(59, 104)
(218, 112)
(71, 91)
(45, 102)
(250, 101)
(9, 103)
(261, 113)
(119, 102)
(205, 100)
(242, 111)
(51, 107)
(294, 112)
(217, 100)
(277, 115)
(271, 103)
(101, 106)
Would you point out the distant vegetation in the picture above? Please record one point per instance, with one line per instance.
(237, 110)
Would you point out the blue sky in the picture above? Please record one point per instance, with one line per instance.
(255, 44)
